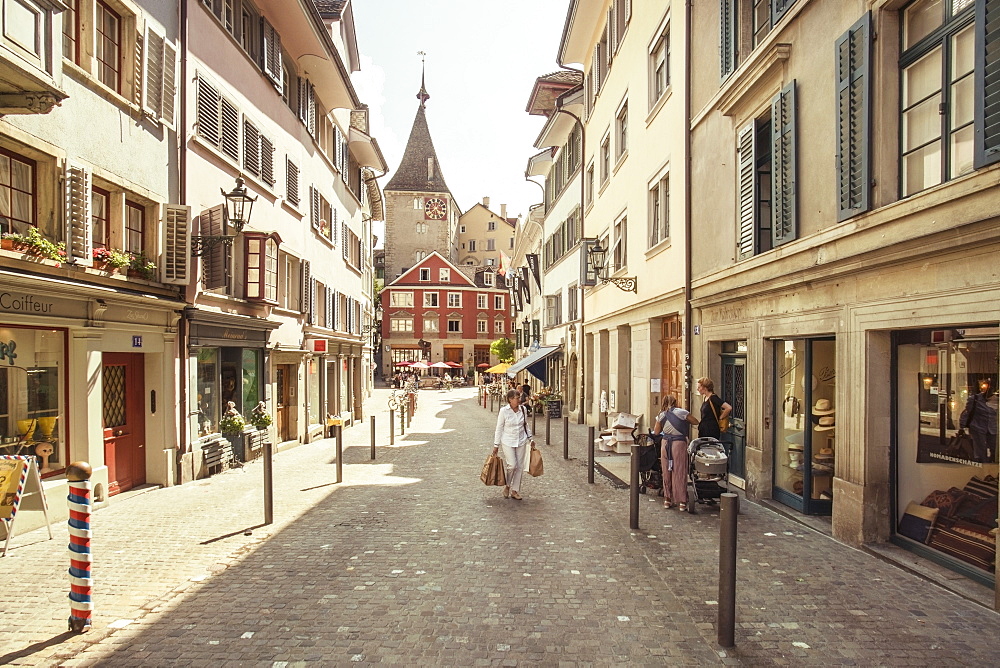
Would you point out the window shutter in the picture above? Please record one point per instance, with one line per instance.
(303, 99)
(291, 182)
(745, 179)
(727, 37)
(153, 69)
(783, 199)
(230, 135)
(311, 120)
(79, 231)
(251, 148)
(304, 302)
(138, 65)
(208, 112)
(853, 52)
(778, 9)
(314, 207)
(272, 53)
(613, 29)
(329, 316)
(266, 161)
(343, 237)
(628, 10)
(213, 261)
(987, 89)
(168, 99)
(595, 70)
(311, 314)
(338, 148)
(175, 226)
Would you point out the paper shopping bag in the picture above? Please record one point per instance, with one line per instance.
(535, 466)
(492, 474)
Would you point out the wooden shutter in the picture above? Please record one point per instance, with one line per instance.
(314, 207)
(214, 261)
(343, 237)
(251, 148)
(208, 112)
(229, 137)
(853, 52)
(271, 56)
(175, 228)
(302, 97)
(334, 229)
(138, 65)
(595, 70)
(311, 119)
(783, 199)
(987, 88)
(169, 96)
(328, 317)
(613, 29)
(727, 37)
(778, 9)
(746, 204)
(291, 182)
(76, 207)
(304, 305)
(153, 69)
(266, 161)
(628, 10)
(311, 313)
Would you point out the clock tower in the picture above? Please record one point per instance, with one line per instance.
(421, 214)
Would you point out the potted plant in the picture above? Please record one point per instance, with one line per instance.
(259, 417)
(550, 400)
(34, 243)
(110, 260)
(13, 241)
(141, 266)
(232, 423)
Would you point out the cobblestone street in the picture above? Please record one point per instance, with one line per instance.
(412, 560)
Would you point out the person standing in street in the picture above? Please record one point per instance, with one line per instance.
(674, 425)
(713, 411)
(513, 435)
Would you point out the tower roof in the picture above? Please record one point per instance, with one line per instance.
(419, 170)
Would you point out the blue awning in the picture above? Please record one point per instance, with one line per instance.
(534, 363)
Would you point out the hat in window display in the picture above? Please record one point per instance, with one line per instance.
(822, 407)
(827, 423)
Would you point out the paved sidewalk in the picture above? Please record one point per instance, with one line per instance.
(411, 560)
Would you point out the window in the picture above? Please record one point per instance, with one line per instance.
(444, 275)
(553, 310)
(425, 274)
(735, 43)
(766, 178)
(482, 302)
(100, 211)
(291, 183)
(938, 93)
(659, 211)
(289, 282)
(261, 262)
(135, 227)
(400, 324)
(401, 299)
(472, 245)
(420, 255)
(619, 248)
(491, 244)
(572, 308)
(605, 159)
(454, 300)
(421, 228)
(454, 325)
(490, 261)
(17, 193)
(590, 184)
(418, 203)
(659, 66)
(489, 279)
(431, 326)
(498, 327)
(249, 29)
(71, 31)
(498, 302)
(461, 229)
(482, 326)
(491, 226)
(108, 26)
(512, 242)
(431, 299)
(322, 215)
(621, 128)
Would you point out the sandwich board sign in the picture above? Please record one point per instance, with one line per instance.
(20, 488)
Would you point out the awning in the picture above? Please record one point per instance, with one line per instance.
(534, 363)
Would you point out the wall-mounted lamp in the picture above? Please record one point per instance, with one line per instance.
(235, 216)
(597, 257)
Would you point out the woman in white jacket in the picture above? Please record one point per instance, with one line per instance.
(515, 437)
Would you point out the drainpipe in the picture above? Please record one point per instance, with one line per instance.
(183, 328)
(688, 328)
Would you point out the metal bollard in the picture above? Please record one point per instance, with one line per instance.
(727, 569)
(534, 420)
(402, 422)
(268, 482)
(81, 606)
(372, 437)
(590, 455)
(340, 453)
(633, 490)
(392, 427)
(548, 427)
(565, 437)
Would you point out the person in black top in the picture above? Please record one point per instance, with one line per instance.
(713, 410)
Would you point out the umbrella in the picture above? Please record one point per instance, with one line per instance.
(440, 365)
(454, 365)
(482, 365)
(403, 363)
(499, 368)
(419, 365)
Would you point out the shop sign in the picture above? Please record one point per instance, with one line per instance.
(7, 352)
(24, 303)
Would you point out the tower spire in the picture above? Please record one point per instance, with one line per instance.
(423, 95)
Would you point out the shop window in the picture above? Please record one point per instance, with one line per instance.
(312, 387)
(17, 193)
(261, 262)
(32, 394)
(208, 390)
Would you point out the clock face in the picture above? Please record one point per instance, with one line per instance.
(435, 208)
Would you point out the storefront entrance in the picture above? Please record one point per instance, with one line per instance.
(284, 390)
(805, 421)
(123, 394)
(734, 374)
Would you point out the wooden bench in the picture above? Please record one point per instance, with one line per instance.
(217, 453)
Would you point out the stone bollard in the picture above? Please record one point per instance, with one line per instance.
(81, 606)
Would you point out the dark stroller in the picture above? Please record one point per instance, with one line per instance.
(650, 475)
(708, 466)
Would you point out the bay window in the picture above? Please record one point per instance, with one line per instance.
(261, 262)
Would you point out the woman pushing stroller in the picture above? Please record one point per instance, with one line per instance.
(673, 424)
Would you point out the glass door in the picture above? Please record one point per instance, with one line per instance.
(805, 420)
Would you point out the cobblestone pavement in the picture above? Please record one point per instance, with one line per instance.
(412, 560)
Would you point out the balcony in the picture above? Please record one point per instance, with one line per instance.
(30, 56)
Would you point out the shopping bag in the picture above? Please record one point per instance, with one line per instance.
(492, 474)
(535, 466)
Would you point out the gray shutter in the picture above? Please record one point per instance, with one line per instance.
(330, 316)
(853, 52)
(230, 134)
(314, 207)
(987, 89)
(778, 9)
(272, 53)
(783, 199)
(311, 110)
(291, 182)
(169, 83)
(208, 112)
(266, 161)
(251, 148)
(311, 313)
(727, 37)
(76, 209)
(213, 261)
(306, 277)
(153, 69)
(343, 238)
(175, 225)
(746, 203)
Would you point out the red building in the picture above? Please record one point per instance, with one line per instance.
(437, 311)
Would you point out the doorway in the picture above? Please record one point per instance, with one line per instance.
(284, 390)
(123, 391)
(734, 374)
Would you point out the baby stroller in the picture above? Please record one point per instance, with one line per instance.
(650, 476)
(708, 467)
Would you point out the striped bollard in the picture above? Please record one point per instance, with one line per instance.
(80, 603)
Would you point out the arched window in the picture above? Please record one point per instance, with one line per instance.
(422, 228)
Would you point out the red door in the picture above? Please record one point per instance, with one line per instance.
(124, 421)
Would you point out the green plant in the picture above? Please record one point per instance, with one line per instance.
(38, 244)
(142, 265)
(112, 258)
(259, 417)
(503, 349)
(232, 424)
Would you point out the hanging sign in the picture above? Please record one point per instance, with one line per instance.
(533, 265)
(524, 285)
(516, 295)
(20, 483)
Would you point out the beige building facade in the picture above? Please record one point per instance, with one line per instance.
(482, 235)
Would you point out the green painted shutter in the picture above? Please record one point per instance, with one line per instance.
(987, 124)
(727, 37)
(746, 204)
(778, 9)
(853, 53)
(783, 228)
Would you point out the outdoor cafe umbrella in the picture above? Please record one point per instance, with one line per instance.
(403, 363)
(482, 365)
(419, 365)
(499, 368)
(454, 365)
(440, 365)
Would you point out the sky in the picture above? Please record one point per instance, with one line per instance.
(482, 61)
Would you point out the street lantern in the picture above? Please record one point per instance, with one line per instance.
(239, 206)
(597, 257)
(527, 331)
(235, 216)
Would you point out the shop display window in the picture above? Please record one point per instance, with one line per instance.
(33, 395)
(315, 409)
(946, 463)
(208, 390)
(251, 379)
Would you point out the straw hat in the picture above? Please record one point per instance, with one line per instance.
(822, 407)
(826, 424)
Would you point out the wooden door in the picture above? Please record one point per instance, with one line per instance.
(672, 360)
(124, 420)
(284, 381)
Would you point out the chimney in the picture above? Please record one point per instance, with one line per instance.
(486, 202)
(503, 212)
